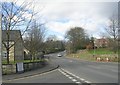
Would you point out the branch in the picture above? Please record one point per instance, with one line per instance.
(4, 44)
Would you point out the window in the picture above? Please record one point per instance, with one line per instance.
(11, 51)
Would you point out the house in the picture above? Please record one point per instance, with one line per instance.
(102, 42)
(16, 52)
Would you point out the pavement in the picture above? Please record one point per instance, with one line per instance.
(49, 67)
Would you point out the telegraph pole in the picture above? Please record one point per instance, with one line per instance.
(94, 45)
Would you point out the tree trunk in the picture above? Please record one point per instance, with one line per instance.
(8, 45)
(7, 55)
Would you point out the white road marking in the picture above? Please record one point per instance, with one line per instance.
(77, 77)
(78, 82)
(74, 80)
(87, 82)
(74, 75)
(70, 77)
(67, 75)
(82, 79)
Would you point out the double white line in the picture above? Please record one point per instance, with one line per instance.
(69, 74)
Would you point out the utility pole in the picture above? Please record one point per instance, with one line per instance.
(93, 42)
(94, 45)
(0, 42)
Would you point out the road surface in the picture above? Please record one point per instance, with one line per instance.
(94, 72)
(75, 71)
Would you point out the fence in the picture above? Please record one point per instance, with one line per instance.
(12, 68)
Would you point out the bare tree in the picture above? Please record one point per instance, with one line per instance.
(112, 31)
(53, 44)
(34, 40)
(15, 17)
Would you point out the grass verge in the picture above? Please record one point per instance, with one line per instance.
(92, 55)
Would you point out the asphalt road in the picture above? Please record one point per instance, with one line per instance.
(50, 77)
(94, 72)
(75, 71)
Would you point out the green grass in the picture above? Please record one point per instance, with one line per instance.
(100, 51)
(82, 55)
(88, 55)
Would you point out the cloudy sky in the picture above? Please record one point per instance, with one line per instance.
(61, 15)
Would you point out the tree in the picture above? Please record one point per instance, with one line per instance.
(53, 44)
(76, 38)
(34, 40)
(112, 31)
(15, 17)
